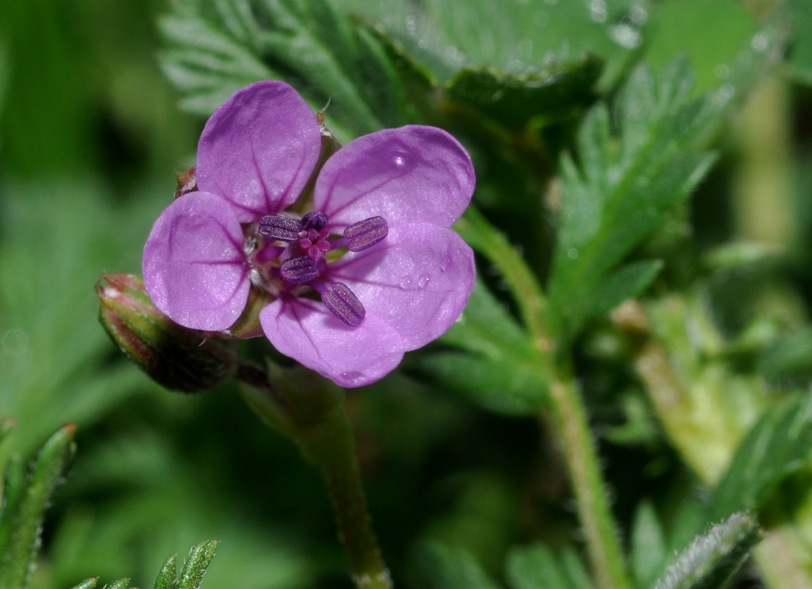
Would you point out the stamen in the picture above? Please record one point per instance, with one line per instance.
(280, 227)
(314, 220)
(343, 303)
(366, 233)
(299, 270)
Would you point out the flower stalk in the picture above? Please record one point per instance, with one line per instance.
(309, 410)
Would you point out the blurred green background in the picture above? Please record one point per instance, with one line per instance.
(90, 137)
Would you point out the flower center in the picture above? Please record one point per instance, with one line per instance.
(295, 252)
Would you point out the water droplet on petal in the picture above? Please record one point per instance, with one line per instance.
(423, 281)
(351, 377)
(406, 282)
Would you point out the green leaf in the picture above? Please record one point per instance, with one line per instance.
(692, 28)
(500, 387)
(206, 63)
(167, 576)
(488, 329)
(11, 482)
(87, 584)
(711, 559)
(496, 367)
(800, 50)
(625, 283)
(531, 567)
(21, 521)
(553, 93)
(56, 365)
(449, 568)
(648, 553)
(623, 190)
(191, 575)
(512, 36)
(196, 564)
(778, 445)
(789, 355)
(218, 46)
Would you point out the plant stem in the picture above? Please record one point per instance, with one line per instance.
(570, 420)
(310, 411)
(355, 529)
(603, 545)
(482, 236)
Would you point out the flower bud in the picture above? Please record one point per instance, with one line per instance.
(176, 357)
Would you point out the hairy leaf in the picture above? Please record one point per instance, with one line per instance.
(648, 546)
(538, 566)
(623, 189)
(191, 575)
(778, 445)
(800, 53)
(550, 94)
(512, 36)
(21, 520)
(711, 559)
(218, 46)
(448, 568)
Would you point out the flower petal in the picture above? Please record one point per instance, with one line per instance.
(413, 174)
(349, 356)
(259, 149)
(194, 266)
(417, 280)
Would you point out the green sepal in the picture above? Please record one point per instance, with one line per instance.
(174, 356)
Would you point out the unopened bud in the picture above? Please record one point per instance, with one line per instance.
(176, 357)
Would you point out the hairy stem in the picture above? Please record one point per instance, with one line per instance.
(310, 411)
(603, 545)
(355, 528)
(482, 236)
(570, 419)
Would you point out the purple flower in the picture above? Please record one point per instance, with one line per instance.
(372, 271)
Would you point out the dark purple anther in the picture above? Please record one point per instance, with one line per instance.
(314, 220)
(299, 270)
(365, 233)
(279, 227)
(343, 303)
